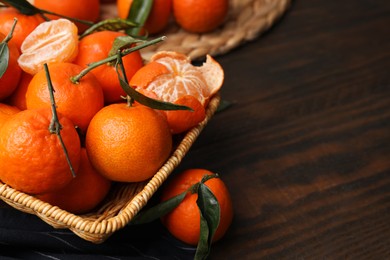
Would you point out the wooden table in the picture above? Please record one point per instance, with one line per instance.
(304, 149)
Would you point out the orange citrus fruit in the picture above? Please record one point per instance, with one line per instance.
(88, 10)
(50, 42)
(183, 222)
(158, 17)
(18, 97)
(171, 76)
(24, 26)
(34, 158)
(200, 16)
(10, 79)
(6, 112)
(83, 193)
(78, 101)
(182, 120)
(96, 47)
(128, 143)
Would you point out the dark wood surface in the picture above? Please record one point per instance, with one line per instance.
(305, 148)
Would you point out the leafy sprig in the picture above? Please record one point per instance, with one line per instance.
(209, 213)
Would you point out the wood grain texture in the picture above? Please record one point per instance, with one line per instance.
(305, 148)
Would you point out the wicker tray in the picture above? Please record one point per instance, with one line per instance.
(122, 203)
(246, 20)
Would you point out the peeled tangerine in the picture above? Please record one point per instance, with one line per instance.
(51, 42)
(170, 76)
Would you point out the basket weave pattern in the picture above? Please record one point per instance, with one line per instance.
(246, 20)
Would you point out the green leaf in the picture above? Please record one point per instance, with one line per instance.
(121, 43)
(139, 13)
(23, 6)
(159, 210)
(144, 100)
(209, 222)
(4, 57)
(115, 24)
(4, 50)
(223, 105)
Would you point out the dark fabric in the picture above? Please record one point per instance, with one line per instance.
(25, 236)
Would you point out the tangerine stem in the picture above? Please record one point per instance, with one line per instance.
(10, 34)
(55, 126)
(129, 100)
(93, 65)
(73, 19)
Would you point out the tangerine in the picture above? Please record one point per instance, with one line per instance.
(24, 26)
(83, 193)
(158, 17)
(35, 159)
(96, 47)
(171, 77)
(128, 143)
(88, 10)
(183, 222)
(18, 97)
(50, 42)
(6, 112)
(79, 101)
(200, 16)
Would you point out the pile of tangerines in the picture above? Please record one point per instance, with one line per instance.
(68, 130)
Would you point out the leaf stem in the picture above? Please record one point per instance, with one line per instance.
(77, 78)
(27, 8)
(43, 12)
(55, 126)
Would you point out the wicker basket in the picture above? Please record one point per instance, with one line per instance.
(122, 203)
(246, 20)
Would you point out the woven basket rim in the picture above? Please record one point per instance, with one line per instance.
(98, 230)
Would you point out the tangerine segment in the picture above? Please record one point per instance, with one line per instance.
(182, 79)
(34, 158)
(51, 42)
